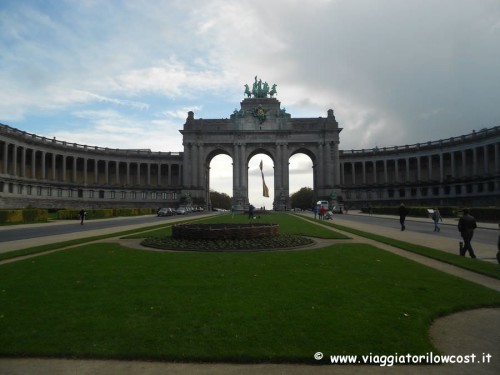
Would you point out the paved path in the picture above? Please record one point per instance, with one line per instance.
(471, 332)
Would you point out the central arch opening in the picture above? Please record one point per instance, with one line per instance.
(255, 183)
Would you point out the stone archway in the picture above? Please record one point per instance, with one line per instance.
(261, 126)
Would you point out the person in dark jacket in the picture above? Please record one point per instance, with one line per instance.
(403, 211)
(466, 225)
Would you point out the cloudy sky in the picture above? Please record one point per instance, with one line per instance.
(124, 74)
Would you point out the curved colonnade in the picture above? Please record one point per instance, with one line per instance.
(462, 170)
(41, 172)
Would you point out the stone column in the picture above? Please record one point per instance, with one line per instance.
(485, 160)
(430, 167)
(85, 166)
(96, 171)
(159, 174)
(128, 172)
(139, 173)
(14, 160)
(386, 179)
(23, 162)
(148, 178)
(53, 166)
(419, 178)
(244, 172)
(33, 164)
(452, 164)
(363, 169)
(474, 161)
(374, 164)
(64, 167)
(407, 161)
(353, 169)
(6, 158)
(106, 172)
(328, 165)
(74, 168)
(441, 169)
(169, 174)
(464, 163)
(396, 170)
(44, 173)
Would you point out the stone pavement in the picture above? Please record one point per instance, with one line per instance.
(471, 332)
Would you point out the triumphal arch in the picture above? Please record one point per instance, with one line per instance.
(261, 126)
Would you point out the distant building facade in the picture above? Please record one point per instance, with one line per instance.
(463, 170)
(41, 172)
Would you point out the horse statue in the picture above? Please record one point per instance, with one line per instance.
(273, 91)
(265, 90)
(248, 93)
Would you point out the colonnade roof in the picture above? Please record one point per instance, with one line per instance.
(34, 139)
(448, 142)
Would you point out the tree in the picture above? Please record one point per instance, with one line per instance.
(220, 200)
(302, 199)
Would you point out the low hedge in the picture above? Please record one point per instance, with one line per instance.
(104, 213)
(31, 215)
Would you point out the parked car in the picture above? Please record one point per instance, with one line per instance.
(167, 211)
(181, 211)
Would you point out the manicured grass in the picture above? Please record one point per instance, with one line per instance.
(475, 265)
(61, 245)
(288, 224)
(106, 301)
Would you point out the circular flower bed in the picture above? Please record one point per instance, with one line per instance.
(254, 244)
(224, 231)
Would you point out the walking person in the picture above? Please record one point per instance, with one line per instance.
(466, 225)
(436, 216)
(403, 212)
(251, 209)
(315, 211)
(82, 216)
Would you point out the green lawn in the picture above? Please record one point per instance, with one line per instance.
(107, 301)
(288, 224)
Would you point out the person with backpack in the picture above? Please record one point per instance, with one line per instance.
(436, 217)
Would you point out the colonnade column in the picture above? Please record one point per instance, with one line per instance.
(23, 162)
(74, 168)
(33, 164)
(452, 164)
(85, 165)
(128, 172)
(96, 171)
(6, 158)
(14, 160)
(485, 160)
(386, 179)
(441, 171)
(148, 174)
